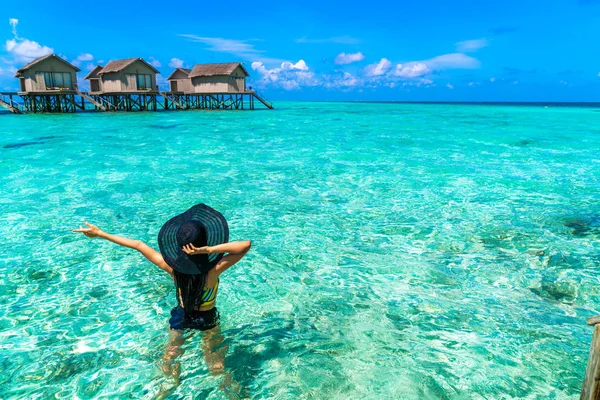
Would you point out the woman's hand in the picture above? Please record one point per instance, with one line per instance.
(191, 250)
(92, 231)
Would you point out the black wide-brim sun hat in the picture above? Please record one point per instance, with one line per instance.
(201, 225)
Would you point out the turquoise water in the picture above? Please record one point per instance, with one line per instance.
(400, 251)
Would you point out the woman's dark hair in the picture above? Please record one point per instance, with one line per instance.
(191, 287)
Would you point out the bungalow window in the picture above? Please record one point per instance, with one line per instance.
(144, 81)
(58, 80)
(62, 80)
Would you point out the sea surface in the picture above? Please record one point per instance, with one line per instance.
(400, 251)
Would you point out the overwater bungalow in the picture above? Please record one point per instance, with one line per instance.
(179, 81)
(218, 78)
(95, 79)
(125, 76)
(49, 84)
(49, 73)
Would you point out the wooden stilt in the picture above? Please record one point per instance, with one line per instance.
(64, 102)
(591, 382)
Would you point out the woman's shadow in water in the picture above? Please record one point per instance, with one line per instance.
(238, 369)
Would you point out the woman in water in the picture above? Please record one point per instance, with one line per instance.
(192, 251)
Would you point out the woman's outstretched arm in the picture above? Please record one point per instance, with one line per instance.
(92, 231)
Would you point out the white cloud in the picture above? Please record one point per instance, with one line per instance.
(13, 23)
(176, 63)
(90, 67)
(292, 76)
(240, 48)
(411, 70)
(418, 82)
(258, 66)
(348, 80)
(288, 76)
(345, 81)
(290, 84)
(379, 68)
(598, 73)
(336, 40)
(300, 65)
(224, 45)
(349, 58)
(452, 61)
(154, 62)
(85, 57)
(515, 82)
(471, 45)
(82, 57)
(415, 69)
(24, 50)
(492, 79)
(474, 83)
(449, 86)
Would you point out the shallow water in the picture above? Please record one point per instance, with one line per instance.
(399, 250)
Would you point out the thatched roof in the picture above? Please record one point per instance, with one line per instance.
(119, 65)
(216, 69)
(94, 73)
(40, 59)
(184, 70)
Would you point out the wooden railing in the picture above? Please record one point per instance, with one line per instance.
(7, 101)
(172, 100)
(262, 99)
(591, 382)
(103, 107)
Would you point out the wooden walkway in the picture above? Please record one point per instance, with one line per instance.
(168, 97)
(99, 105)
(6, 101)
(263, 100)
(77, 101)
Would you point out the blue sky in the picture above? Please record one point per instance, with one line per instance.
(432, 50)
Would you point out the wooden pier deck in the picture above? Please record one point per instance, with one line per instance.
(69, 101)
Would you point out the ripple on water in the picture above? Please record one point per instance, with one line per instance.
(399, 251)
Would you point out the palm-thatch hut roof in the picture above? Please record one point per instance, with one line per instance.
(119, 65)
(184, 70)
(94, 73)
(215, 69)
(40, 59)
